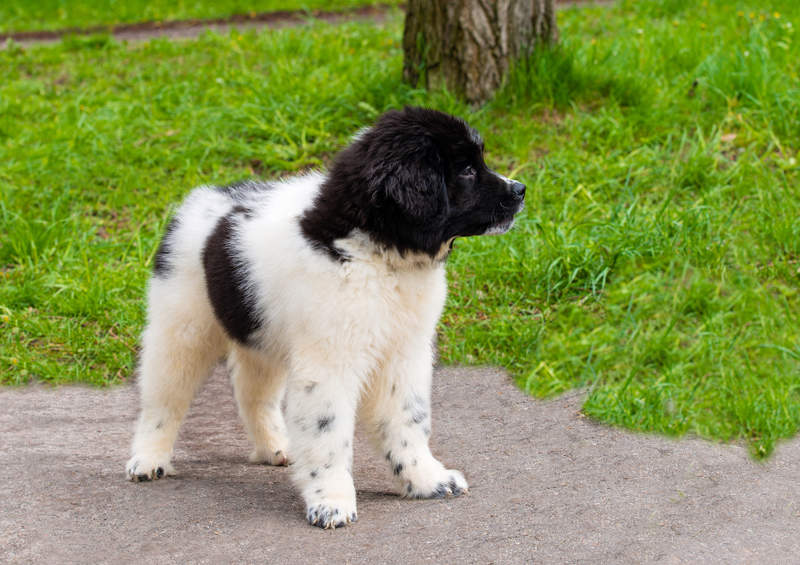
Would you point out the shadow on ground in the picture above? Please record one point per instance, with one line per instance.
(546, 483)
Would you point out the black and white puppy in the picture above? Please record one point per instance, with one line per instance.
(324, 289)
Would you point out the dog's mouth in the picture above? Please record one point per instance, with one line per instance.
(501, 228)
(506, 224)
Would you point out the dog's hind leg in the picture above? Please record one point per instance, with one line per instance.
(180, 346)
(259, 383)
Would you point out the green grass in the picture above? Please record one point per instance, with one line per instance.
(657, 261)
(29, 15)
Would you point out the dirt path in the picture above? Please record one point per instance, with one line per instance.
(547, 485)
(187, 29)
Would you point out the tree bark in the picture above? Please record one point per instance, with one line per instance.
(468, 45)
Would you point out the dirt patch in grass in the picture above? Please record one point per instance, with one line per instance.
(183, 29)
(192, 27)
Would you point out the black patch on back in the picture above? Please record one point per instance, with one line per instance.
(161, 264)
(226, 279)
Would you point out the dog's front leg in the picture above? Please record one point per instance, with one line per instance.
(398, 409)
(320, 414)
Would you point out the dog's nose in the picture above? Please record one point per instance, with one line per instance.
(518, 189)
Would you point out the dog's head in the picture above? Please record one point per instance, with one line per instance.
(417, 179)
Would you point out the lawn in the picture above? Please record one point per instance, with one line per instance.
(30, 15)
(657, 261)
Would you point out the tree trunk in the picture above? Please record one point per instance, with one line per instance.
(467, 45)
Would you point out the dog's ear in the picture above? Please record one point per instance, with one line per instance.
(412, 176)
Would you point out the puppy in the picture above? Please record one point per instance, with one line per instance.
(324, 289)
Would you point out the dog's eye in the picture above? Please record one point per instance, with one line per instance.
(468, 172)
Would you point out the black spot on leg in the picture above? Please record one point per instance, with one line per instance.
(346, 443)
(318, 491)
(314, 474)
(388, 455)
(160, 424)
(394, 389)
(325, 423)
(419, 416)
(310, 388)
(398, 469)
(427, 431)
(159, 472)
(417, 407)
(404, 443)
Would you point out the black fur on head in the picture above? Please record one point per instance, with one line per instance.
(412, 182)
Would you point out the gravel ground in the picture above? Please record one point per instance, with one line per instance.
(547, 485)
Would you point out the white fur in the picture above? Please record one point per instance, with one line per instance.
(335, 336)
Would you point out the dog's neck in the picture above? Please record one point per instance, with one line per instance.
(359, 246)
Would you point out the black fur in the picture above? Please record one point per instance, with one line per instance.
(161, 265)
(324, 423)
(403, 183)
(239, 192)
(416, 406)
(243, 190)
(226, 279)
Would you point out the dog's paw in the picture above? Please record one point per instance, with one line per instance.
(331, 514)
(148, 468)
(276, 457)
(448, 482)
(329, 494)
